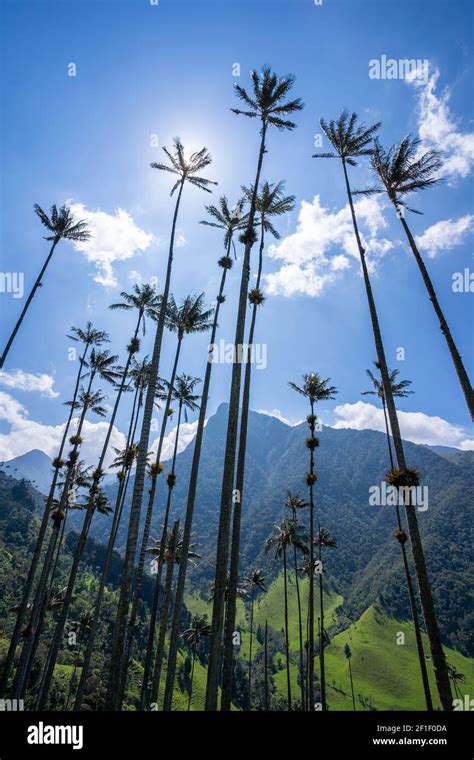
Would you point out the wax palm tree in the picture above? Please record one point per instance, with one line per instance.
(400, 390)
(348, 655)
(229, 221)
(186, 169)
(270, 202)
(183, 393)
(190, 317)
(266, 103)
(285, 535)
(265, 666)
(89, 336)
(404, 170)
(80, 629)
(351, 141)
(295, 504)
(314, 389)
(63, 226)
(198, 630)
(104, 365)
(87, 401)
(323, 540)
(255, 581)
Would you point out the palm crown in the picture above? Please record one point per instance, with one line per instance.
(267, 98)
(349, 140)
(271, 201)
(399, 388)
(324, 539)
(227, 219)
(61, 223)
(183, 393)
(294, 502)
(287, 533)
(190, 317)
(89, 335)
(143, 298)
(255, 580)
(198, 629)
(103, 363)
(186, 167)
(402, 169)
(314, 388)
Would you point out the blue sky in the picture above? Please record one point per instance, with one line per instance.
(167, 70)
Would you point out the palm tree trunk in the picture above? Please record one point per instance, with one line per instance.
(188, 521)
(287, 637)
(437, 653)
(321, 636)
(352, 686)
(464, 381)
(24, 666)
(227, 672)
(215, 654)
(311, 572)
(300, 629)
(114, 697)
(27, 303)
(15, 638)
(119, 502)
(192, 680)
(155, 689)
(250, 655)
(59, 631)
(266, 665)
(411, 593)
(148, 518)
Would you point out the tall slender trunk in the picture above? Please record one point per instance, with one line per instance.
(188, 520)
(300, 628)
(159, 570)
(148, 518)
(310, 685)
(25, 664)
(287, 637)
(155, 688)
(119, 501)
(411, 593)
(222, 557)
(27, 303)
(250, 655)
(463, 377)
(15, 638)
(90, 510)
(437, 653)
(352, 686)
(321, 635)
(114, 698)
(192, 680)
(265, 666)
(227, 673)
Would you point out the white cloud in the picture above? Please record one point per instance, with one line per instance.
(180, 239)
(467, 444)
(415, 426)
(278, 415)
(25, 381)
(187, 432)
(26, 434)
(444, 235)
(438, 128)
(324, 245)
(114, 237)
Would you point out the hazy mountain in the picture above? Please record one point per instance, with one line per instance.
(35, 465)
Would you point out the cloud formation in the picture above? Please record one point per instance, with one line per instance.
(324, 245)
(26, 434)
(415, 426)
(114, 237)
(439, 130)
(444, 235)
(26, 381)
